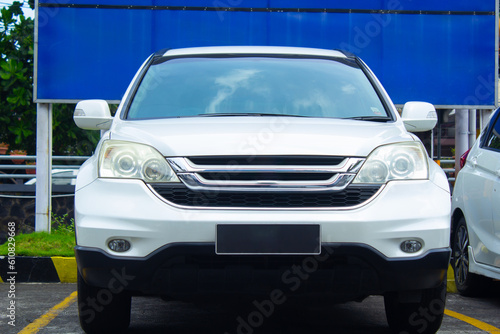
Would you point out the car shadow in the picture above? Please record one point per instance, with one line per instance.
(153, 315)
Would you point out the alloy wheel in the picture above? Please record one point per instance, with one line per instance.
(461, 254)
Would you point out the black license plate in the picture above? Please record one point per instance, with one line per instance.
(268, 239)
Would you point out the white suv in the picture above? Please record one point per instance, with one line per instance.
(270, 172)
(475, 235)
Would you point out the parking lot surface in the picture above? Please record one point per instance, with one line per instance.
(52, 308)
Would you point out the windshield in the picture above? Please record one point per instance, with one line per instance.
(186, 87)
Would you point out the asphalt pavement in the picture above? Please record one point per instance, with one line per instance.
(52, 309)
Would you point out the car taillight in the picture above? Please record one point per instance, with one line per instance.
(463, 158)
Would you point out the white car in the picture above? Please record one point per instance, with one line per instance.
(60, 177)
(475, 235)
(270, 172)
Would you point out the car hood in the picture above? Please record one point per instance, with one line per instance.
(195, 136)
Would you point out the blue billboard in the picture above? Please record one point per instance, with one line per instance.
(442, 52)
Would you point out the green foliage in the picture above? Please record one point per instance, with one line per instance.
(60, 225)
(17, 110)
(67, 138)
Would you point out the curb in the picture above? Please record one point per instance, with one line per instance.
(31, 269)
(451, 287)
(57, 269)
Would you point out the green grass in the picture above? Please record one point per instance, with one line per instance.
(42, 244)
(58, 243)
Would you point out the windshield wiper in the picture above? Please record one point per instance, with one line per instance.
(246, 114)
(371, 118)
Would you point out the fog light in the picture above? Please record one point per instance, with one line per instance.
(119, 245)
(411, 246)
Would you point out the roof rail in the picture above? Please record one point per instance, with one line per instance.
(161, 52)
(347, 53)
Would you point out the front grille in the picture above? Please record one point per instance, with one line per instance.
(278, 160)
(259, 174)
(235, 176)
(182, 196)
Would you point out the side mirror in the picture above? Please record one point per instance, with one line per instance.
(92, 115)
(419, 116)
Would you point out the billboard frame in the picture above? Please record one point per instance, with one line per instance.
(53, 9)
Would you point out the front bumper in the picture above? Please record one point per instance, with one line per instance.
(173, 248)
(128, 209)
(193, 270)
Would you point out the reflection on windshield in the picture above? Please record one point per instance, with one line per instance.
(314, 99)
(287, 86)
(228, 84)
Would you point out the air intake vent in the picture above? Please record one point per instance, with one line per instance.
(185, 197)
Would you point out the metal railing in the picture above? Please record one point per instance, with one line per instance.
(17, 170)
(450, 171)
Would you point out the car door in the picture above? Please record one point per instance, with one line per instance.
(485, 197)
(493, 144)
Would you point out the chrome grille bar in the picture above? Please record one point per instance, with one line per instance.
(184, 165)
(189, 173)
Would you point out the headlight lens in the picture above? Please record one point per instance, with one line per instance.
(400, 161)
(121, 159)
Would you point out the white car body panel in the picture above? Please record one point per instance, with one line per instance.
(253, 50)
(476, 195)
(149, 224)
(259, 135)
(481, 268)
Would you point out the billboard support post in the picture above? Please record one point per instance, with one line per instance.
(472, 127)
(461, 135)
(43, 202)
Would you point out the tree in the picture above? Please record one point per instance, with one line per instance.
(17, 110)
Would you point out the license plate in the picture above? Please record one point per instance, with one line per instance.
(268, 239)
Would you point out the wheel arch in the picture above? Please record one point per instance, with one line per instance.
(456, 216)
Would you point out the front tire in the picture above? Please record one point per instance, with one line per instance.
(468, 284)
(101, 310)
(422, 317)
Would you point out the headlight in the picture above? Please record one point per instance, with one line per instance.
(121, 159)
(400, 161)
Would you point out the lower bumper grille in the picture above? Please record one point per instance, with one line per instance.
(182, 196)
